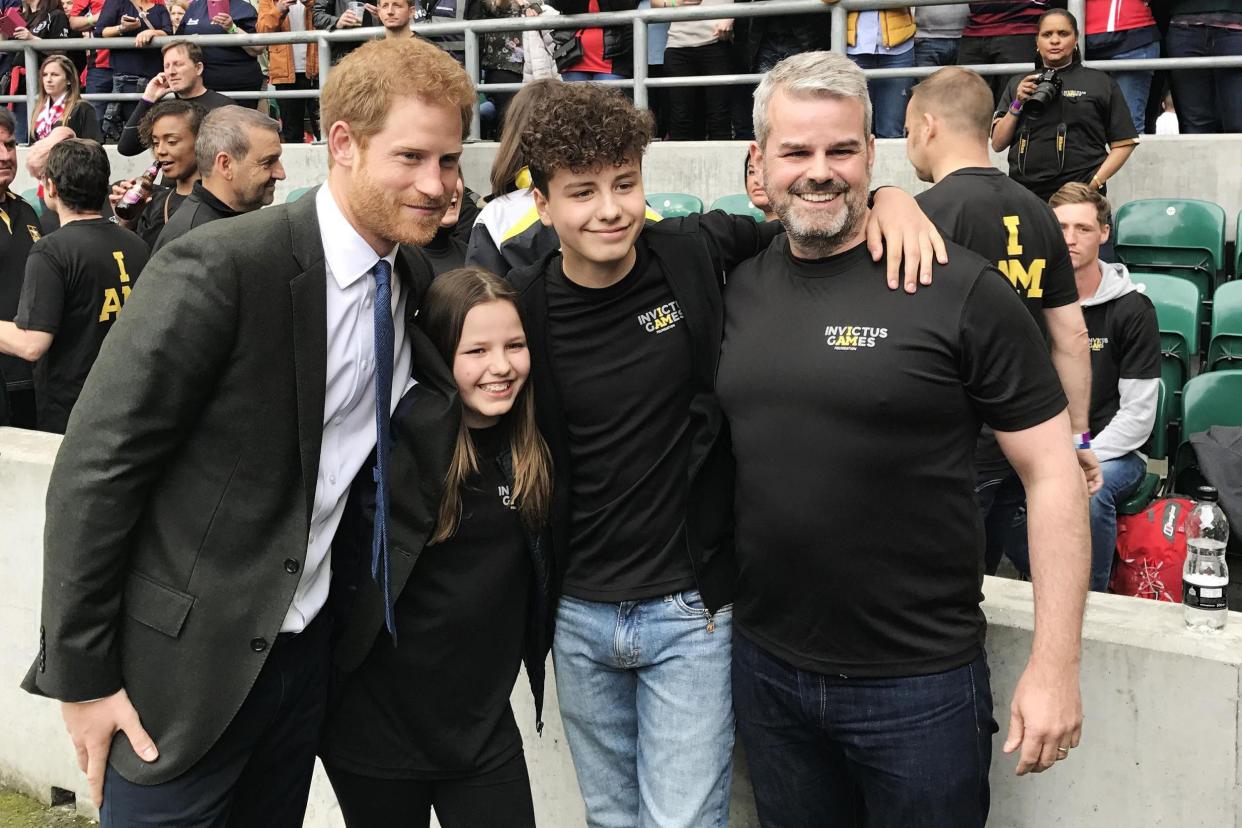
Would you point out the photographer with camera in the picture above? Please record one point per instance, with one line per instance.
(1064, 122)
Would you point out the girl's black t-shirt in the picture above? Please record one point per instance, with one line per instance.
(436, 705)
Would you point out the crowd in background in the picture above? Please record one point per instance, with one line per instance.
(983, 33)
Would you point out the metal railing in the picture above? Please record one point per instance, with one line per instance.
(639, 20)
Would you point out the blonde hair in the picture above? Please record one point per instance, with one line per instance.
(442, 317)
(72, 98)
(810, 74)
(362, 87)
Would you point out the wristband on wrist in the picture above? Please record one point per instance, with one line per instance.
(1015, 108)
(1082, 441)
(234, 30)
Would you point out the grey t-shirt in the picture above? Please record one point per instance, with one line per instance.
(941, 21)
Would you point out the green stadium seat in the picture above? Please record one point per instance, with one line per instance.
(674, 205)
(1225, 346)
(1177, 304)
(1157, 448)
(1184, 237)
(1237, 248)
(31, 197)
(1207, 400)
(297, 193)
(739, 205)
(1164, 232)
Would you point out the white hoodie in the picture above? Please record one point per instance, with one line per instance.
(1136, 414)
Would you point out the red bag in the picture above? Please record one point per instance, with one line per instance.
(1151, 551)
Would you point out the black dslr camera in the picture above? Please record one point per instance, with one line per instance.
(1048, 85)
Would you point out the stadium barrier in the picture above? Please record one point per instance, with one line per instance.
(1161, 734)
(638, 19)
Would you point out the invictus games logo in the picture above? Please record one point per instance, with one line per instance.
(1098, 343)
(853, 337)
(661, 318)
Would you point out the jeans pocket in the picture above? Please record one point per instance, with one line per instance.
(690, 602)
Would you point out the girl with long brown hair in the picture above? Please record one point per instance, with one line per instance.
(60, 102)
(424, 720)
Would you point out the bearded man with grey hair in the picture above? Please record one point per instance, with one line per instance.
(860, 681)
(238, 152)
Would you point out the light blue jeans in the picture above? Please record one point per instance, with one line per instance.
(647, 705)
(1122, 477)
(1136, 85)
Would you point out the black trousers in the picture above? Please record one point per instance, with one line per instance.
(1003, 49)
(685, 102)
(293, 112)
(259, 771)
(497, 799)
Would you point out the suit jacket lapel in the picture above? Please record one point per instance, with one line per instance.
(310, 340)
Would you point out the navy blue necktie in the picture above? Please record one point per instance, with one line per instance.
(384, 336)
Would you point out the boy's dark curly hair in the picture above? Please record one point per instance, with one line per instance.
(581, 126)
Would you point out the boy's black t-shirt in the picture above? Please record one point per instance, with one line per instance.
(76, 281)
(985, 211)
(623, 365)
(19, 230)
(854, 411)
(436, 705)
(1125, 344)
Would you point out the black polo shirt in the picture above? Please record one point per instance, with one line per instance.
(19, 230)
(199, 208)
(1092, 114)
(854, 411)
(77, 280)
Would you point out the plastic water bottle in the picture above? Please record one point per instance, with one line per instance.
(1205, 578)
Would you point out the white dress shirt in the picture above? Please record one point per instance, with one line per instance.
(349, 397)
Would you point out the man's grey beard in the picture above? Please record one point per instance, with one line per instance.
(821, 242)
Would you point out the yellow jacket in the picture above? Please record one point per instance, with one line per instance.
(896, 27)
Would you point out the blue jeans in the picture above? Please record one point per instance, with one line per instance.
(935, 51)
(1122, 476)
(99, 81)
(888, 96)
(590, 76)
(1207, 100)
(832, 752)
(645, 700)
(1136, 85)
(127, 83)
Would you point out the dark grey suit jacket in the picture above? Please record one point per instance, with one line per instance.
(180, 501)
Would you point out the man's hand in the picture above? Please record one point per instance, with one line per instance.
(1090, 466)
(348, 21)
(157, 87)
(223, 20)
(1045, 718)
(899, 224)
(91, 726)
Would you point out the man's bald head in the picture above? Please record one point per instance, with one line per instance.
(959, 99)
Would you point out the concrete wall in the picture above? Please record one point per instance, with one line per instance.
(1164, 166)
(1160, 743)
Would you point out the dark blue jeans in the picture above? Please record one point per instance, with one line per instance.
(834, 752)
(1207, 100)
(99, 81)
(935, 51)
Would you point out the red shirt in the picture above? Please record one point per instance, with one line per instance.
(80, 8)
(593, 59)
(1117, 16)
